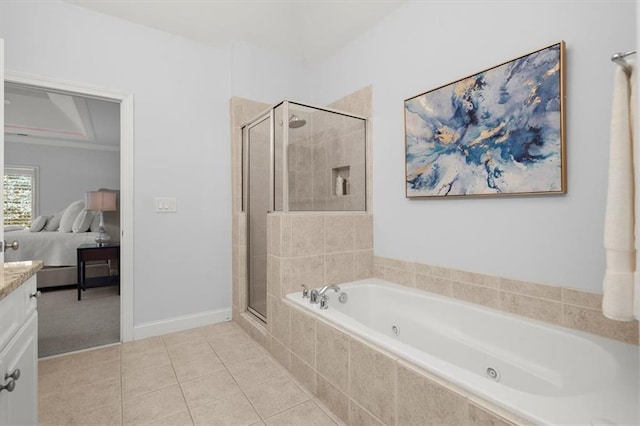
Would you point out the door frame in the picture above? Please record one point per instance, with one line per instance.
(246, 157)
(126, 180)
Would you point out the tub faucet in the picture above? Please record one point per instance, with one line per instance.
(315, 294)
(328, 287)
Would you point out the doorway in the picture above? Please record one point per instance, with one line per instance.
(125, 213)
(258, 149)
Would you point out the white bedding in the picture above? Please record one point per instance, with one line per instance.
(53, 248)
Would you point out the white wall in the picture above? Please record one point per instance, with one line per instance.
(65, 173)
(264, 76)
(549, 239)
(182, 262)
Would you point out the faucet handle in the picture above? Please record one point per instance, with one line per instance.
(313, 296)
(305, 291)
(323, 301)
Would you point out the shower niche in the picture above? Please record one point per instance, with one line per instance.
(297, 157)
(341, 178)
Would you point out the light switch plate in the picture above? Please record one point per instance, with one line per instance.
(166, 205)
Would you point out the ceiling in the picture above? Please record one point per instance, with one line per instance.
(303, 30)
(35, 116)
(306, 30)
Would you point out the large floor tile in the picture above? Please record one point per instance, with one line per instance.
(308, 414)
(236, 356)
(230, 341)
(87, 374)
(182, 338)
(154, 406)
(143, 360)
(150, 379)
(143, 345)
(209, 388)
(181, 419)
(234, 410)
(190, 349)
(108, 415)
(52, 383)
(190, 367)
(219, 329)
(82, 398)
(275, 396)
(94, 356)
(256, 372)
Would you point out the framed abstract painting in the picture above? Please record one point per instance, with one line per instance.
(498, 132)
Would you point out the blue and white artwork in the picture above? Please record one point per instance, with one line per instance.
(497, 132)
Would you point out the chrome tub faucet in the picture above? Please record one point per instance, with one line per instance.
(315, 294)
(324, 289)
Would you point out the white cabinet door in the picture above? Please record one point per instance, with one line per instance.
(20, 407)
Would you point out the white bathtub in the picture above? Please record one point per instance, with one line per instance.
(547, 374)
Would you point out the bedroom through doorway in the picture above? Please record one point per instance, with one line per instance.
(62, 150)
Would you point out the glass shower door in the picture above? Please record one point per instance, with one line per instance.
(258, 146)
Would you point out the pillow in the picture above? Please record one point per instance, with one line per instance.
(69, 216)
(83, 221)
(38, 223)
(54, 222)
(9, 228)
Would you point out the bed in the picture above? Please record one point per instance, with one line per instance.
(53, 248)
(57, 250)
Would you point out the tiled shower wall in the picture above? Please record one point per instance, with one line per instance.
(331, 143)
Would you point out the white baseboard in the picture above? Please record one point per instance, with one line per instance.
(181, 323)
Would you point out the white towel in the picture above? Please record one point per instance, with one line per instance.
(619, 233)
(635, 135)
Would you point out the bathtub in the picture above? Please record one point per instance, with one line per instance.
(543, 373)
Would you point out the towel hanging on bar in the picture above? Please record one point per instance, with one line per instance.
(620, 59)
(620, 285)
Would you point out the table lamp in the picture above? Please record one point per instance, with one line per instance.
(101, 201)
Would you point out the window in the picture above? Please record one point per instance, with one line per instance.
(20, 194)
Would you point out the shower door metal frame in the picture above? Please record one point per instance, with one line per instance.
(269, 114)
(246, 176)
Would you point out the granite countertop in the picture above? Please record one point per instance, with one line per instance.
(17, 273)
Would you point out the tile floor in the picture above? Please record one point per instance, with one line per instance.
(213, 375)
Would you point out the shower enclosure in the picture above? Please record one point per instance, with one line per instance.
(297, 157)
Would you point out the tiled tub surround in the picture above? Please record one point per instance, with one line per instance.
(547, 374)
(362, 383)
(566, 307)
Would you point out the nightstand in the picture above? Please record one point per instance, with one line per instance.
(91, 252)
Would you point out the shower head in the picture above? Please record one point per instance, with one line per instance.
(296, 122)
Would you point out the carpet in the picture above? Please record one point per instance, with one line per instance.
(66, 324)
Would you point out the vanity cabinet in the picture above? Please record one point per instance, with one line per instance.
(19, 356)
